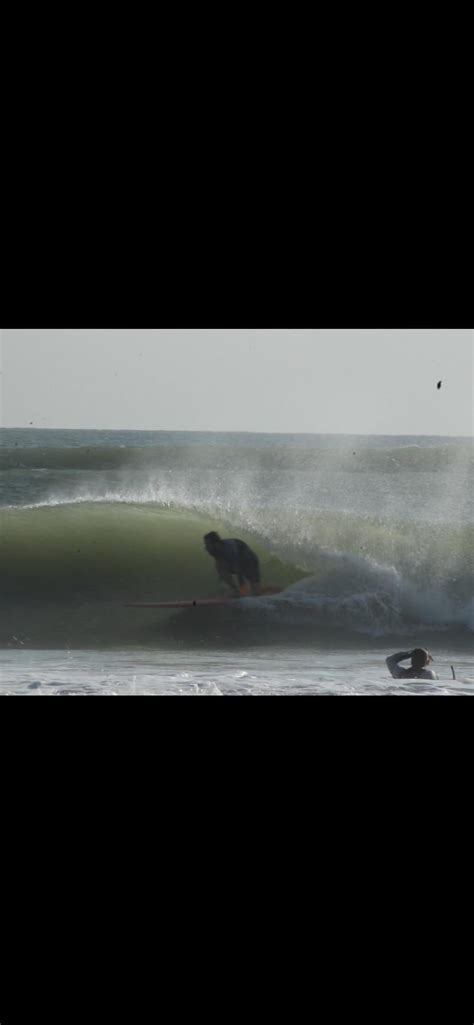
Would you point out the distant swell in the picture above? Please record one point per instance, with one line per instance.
(356, 458)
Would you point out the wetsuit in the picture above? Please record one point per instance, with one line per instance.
(237, 558)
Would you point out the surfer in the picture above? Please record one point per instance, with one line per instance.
(234, 559)
(420, 657)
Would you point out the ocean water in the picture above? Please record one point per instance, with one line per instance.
(371, 539)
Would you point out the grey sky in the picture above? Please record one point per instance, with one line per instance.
(321, 381)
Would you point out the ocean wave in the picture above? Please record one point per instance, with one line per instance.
(69, 570)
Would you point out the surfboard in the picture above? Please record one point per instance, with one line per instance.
(180, 604)
(201, 602)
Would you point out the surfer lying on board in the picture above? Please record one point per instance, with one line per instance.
(420, 657)
(234, 559)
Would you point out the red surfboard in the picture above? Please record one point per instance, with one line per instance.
(200, 602)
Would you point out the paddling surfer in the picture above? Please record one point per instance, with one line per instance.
(420, 657)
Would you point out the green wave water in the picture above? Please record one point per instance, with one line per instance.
(68, 570)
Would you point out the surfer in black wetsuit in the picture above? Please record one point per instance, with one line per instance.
(234, 559)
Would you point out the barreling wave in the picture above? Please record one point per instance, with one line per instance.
(69, 568)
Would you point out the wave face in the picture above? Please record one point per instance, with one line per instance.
(366, 535)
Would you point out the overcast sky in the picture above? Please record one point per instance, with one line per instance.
(292, 380)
